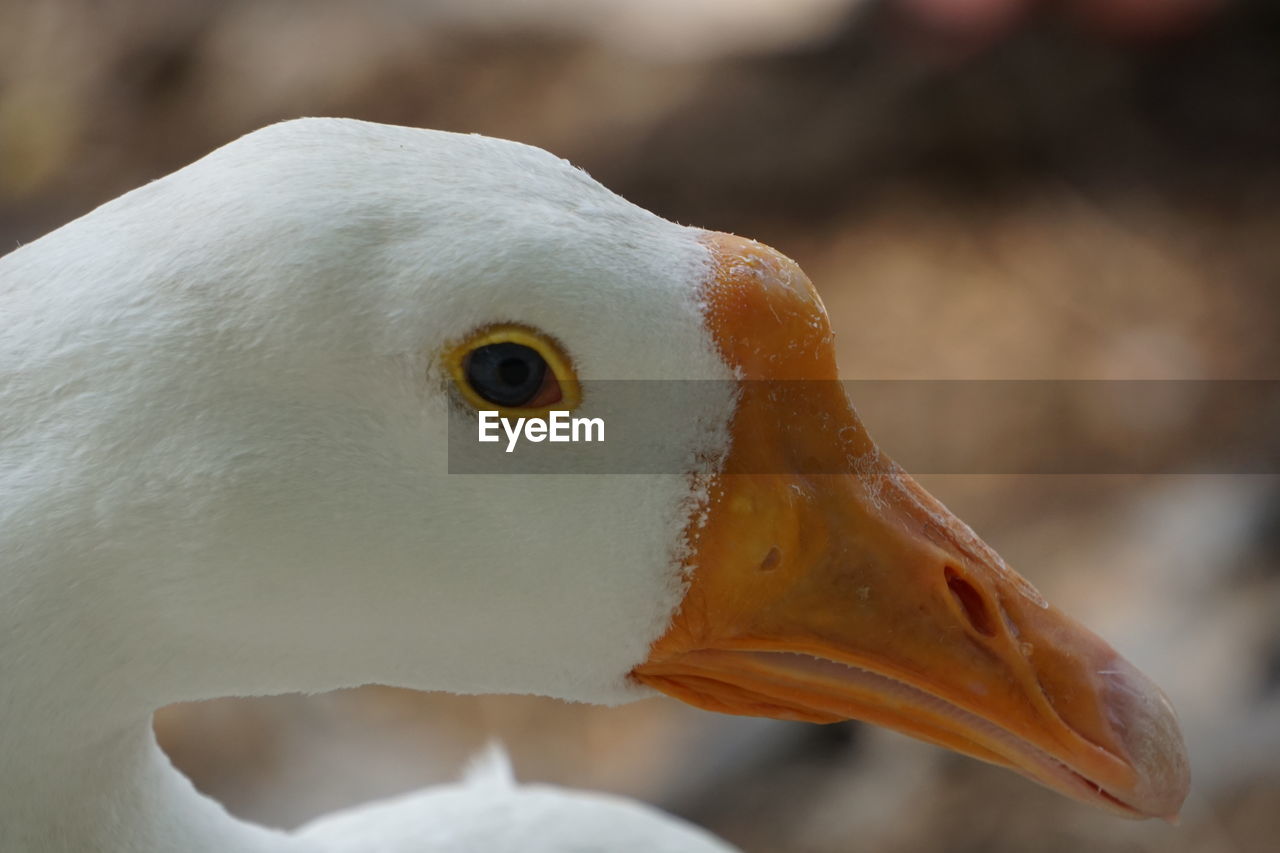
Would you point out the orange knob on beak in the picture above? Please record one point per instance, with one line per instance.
(825, 584)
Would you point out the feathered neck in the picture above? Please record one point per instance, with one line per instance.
(117, 793)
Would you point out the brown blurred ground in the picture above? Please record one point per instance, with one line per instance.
(1047, 205)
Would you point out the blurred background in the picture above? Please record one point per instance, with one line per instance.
(980, 189)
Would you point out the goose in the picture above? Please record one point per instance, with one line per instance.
(234, 406)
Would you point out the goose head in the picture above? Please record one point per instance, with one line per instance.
(238, 410)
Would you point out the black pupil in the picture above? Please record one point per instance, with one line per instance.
(506, 374)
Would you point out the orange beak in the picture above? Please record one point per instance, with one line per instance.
(825, 585)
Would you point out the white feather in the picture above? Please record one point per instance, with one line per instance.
(223, 470)
(490, 768)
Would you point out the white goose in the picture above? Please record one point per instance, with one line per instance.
(223, 402)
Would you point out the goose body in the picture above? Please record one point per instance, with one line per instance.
(489, 811)
(225, 402)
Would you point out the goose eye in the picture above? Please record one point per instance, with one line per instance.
(515, 368)
(508, 375)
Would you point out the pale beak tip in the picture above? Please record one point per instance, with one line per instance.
(1145, 722)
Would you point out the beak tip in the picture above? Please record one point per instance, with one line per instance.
(1145, 722)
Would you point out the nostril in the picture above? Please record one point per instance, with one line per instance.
(771, 560)
(972, 602)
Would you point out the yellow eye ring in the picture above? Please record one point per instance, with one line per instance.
(520, 356)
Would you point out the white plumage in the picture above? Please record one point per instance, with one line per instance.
(222, 458)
